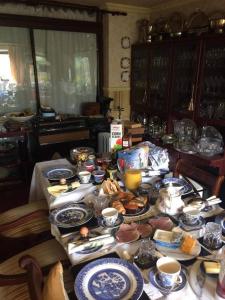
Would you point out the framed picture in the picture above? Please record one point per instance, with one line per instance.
(125, 76)
(125, 62)
(125, 42)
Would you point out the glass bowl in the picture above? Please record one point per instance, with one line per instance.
(208, 146)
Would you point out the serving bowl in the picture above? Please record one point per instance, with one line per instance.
(20, 116)
(209, 146)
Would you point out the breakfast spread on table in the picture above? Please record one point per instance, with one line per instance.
(115, 214)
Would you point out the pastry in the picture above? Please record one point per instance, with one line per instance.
(188, 244)
(119, 206)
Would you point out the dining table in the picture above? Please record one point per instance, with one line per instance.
(198, 285)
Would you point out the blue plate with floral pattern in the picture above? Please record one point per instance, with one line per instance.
(70, 215)
(109, 279)
(186, 188)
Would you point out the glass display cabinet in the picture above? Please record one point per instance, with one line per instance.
(212, 89)
(159, 71)
(139, 75)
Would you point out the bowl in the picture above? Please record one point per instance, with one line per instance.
(209, 146)
(20, 116)
(80, 154)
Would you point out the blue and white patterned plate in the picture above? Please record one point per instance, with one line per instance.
(109, 279)
(56, 173)
(155, 280)
(220, 219)
(70, 215)
(178, 182)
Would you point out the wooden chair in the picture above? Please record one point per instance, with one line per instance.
(15, 284)
(205, 178)
(23, 227)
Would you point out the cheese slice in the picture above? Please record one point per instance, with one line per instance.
(211, 267)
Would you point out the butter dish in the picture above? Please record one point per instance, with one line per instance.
(168, 239)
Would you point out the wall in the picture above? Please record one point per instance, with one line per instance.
(116, 27)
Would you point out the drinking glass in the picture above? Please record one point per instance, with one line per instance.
(146, 255)
(100, 203)
(212, 237)
(132, 179)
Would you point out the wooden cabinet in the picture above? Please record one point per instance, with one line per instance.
(13, 159)
(180, 78)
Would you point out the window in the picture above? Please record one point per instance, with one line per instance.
(67, 69)
(16, 71)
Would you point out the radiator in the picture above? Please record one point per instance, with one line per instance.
(103, 142)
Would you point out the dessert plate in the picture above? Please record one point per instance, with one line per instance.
(70, 215)
(109, 279)
(58, 173)
(155, 280)
(186, 188)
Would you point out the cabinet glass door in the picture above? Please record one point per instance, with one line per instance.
(212, 95)
(139, 75)
(159, 78)
(184, 73)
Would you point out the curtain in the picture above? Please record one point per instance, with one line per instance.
(42, 11)
(67, 69)
(17, 91)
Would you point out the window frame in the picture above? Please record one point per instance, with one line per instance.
(32, 23)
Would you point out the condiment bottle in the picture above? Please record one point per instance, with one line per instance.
(127, 141)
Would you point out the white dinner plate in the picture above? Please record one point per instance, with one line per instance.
(178, 254)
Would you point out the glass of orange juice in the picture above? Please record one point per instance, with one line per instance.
(132, 179)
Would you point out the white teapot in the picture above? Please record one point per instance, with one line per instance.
(169, 200)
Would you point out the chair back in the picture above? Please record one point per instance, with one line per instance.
(211, 181)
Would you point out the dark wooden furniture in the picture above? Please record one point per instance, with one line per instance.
(15, 159)
(180, 78)
(192, 170)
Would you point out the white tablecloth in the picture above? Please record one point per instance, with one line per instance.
(40, 183)
(38, 191)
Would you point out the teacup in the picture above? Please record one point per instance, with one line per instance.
(84, 176)
(110, 216)
(99, 176)
(168, 271)
(89, 166)
(191, 215)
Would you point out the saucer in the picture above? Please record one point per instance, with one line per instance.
(186, 226)
(156, 282)
(119, 221)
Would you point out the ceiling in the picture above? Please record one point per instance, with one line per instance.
(143, 3)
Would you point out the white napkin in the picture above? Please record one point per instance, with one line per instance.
(73, 247)
(74, 196)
